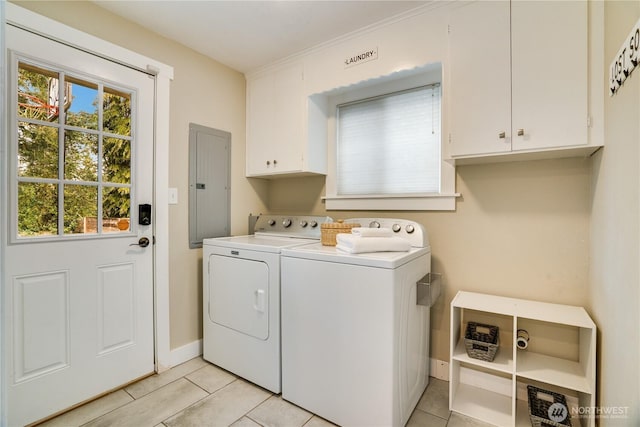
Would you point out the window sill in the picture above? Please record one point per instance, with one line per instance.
(402, 202)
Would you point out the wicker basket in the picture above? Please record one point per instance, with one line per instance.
(329, 230)
(481, 341)
(540, 401)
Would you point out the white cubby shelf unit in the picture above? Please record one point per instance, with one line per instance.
(560, 357)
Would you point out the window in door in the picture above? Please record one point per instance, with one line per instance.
(73, 154)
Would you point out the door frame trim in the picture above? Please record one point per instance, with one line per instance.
(163, 74)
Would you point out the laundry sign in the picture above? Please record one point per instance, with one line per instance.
(361, 57)
(625, 61)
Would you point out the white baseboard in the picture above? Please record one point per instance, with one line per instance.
(439, 369)
(186, 352)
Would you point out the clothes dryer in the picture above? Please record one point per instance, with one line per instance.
(241, 296)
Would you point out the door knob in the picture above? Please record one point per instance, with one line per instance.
(143, 242)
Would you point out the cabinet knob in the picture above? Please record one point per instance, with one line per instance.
(520, 132)
(502, 135)
(275, 162)
(268, 162)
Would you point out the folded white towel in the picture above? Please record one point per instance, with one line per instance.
(371, 232)
(356, 244)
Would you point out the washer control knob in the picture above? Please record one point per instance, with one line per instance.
(374, 224)
(396, 228)
(286, 223)
(272, 222)
(410, 228)
(313, 224)
(303, 223)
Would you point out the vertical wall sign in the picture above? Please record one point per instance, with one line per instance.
(361, 57)
(625, 61)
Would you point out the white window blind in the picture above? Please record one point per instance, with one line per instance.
(390, 144)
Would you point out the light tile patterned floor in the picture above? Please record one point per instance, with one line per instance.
(198, 394)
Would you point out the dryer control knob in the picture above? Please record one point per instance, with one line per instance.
(303, 223)
(396, 228)
(374, 224)
(272, 222)
(286, 223)
(410, 229)
(313, 224)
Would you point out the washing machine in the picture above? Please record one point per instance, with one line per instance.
(241, 296)
(355, 342)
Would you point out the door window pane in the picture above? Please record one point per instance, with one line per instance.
(116, 160)
(83, 109)
(117, 112)
(80, 209)
(80, 156)
(37, 150)
(37, 209)
(38, 93)
(116, 212)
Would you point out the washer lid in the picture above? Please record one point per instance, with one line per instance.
(318, 252)
(261, 243)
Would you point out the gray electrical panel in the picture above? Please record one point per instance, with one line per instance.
(209, 184)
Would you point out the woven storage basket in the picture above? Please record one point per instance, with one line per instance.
(329, 230)
(481, 341)
(539, 407)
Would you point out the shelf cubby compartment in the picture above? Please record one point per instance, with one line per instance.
(522, 408)
(560, 354)
(482, 394)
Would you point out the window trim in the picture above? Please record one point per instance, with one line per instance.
(444, 200)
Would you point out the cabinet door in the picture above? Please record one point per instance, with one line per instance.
(289, 107)
(275, 119)
(549, 74)
(480, 94)
(260, 119)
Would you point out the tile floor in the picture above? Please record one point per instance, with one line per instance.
(197, 393)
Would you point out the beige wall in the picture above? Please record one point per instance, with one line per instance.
(520, 229)
(614, 292)
(203, 92)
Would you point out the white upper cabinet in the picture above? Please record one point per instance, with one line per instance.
(519, 78)
(480, 84)
(277, 140)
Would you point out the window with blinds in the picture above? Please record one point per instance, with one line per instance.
(390, 144)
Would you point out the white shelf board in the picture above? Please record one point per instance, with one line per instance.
(555, 313)
(482, 404)
(503, 362)
(552, 370)
(546, 312)
(484, 302)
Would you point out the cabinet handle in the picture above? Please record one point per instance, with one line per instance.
(502, 135)
(520, 132)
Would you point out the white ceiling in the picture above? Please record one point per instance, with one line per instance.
(245, 35)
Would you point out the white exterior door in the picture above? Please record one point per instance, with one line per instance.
(78, 297)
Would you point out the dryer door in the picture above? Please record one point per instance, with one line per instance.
(239, 294)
